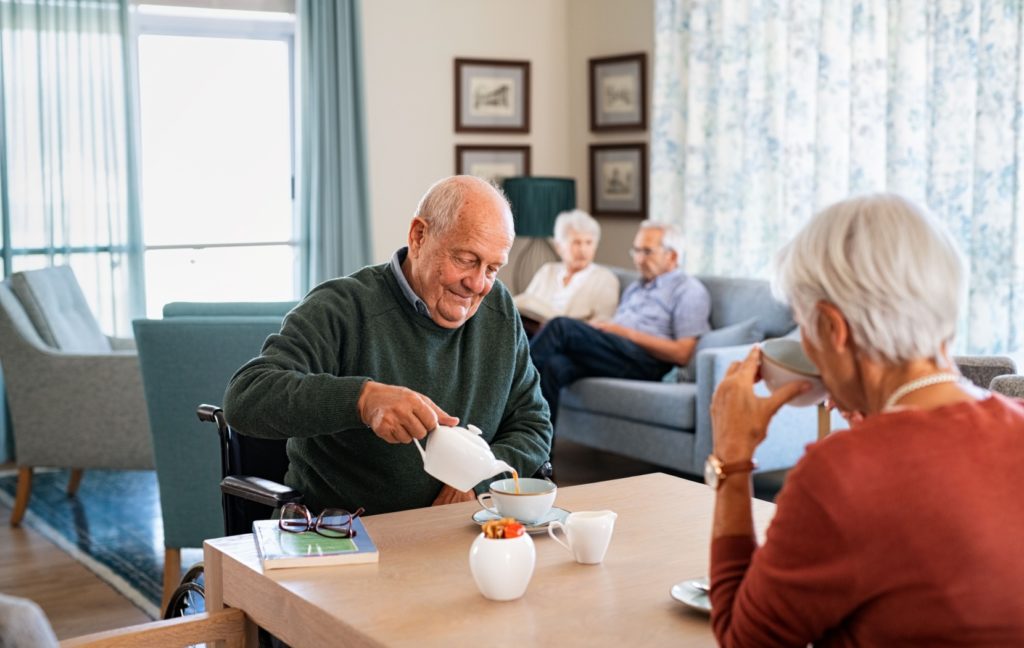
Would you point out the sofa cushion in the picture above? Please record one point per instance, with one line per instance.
(736, 299)
(670, 405)
(57, 308)
(745, 332)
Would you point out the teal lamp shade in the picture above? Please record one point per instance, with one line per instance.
(537, 201)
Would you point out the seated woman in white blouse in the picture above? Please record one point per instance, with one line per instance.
(576, 286)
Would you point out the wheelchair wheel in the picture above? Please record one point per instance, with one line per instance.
(190, 596)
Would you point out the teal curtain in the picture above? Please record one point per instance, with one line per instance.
(68, 176)
(333, 195)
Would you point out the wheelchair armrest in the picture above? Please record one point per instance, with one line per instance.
(545, 471)
(261, 491)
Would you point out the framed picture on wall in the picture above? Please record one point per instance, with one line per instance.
(492, 96)
(492, 163)
(618, 93)
(618, 179)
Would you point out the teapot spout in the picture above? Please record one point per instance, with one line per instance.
(500, 466)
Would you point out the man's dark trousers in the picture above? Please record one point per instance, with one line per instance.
(567, 349)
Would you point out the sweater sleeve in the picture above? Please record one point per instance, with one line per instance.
(524, 436)
(791, 591)
(291, 389)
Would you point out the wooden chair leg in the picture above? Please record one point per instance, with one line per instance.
(172, 574)
(22, 494)
(74, 480)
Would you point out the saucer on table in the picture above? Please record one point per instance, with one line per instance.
(693, 593)
(541, 526)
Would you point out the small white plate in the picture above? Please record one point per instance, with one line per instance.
(693, 593)
(555, 513)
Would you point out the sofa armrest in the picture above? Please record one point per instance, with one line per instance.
(790, 430)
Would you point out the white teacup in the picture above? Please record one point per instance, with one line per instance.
(534, 501)
(588, 534)
(782, 362)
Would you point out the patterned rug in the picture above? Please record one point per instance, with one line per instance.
(112, 526)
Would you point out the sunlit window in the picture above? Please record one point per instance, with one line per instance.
(217, 156)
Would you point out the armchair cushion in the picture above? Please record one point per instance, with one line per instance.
(57, 308)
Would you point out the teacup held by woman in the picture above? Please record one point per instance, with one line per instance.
(783, 361)
(530, 505)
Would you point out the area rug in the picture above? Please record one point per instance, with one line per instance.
(112, 526)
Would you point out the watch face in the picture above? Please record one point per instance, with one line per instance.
(711, 474)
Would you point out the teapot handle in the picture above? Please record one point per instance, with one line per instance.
(420, 448)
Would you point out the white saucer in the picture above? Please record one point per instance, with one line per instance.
(483, 515)
(691, 594)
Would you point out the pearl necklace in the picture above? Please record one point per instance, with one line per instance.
(918, 383)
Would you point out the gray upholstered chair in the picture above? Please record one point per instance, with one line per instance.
(75, 395)
(983, 370)
(1012, 386)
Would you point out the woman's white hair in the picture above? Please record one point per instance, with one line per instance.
(671, 236)
(441, 204)
(891, 268)
(576, 220)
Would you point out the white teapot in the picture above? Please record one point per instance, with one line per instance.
(459, 457)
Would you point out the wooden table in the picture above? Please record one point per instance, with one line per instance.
(422, 593)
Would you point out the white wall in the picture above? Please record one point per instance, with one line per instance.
(605, 28)
(409, 49)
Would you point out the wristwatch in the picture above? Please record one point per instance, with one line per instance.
(716, 472)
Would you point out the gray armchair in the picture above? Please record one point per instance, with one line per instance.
(75, 395)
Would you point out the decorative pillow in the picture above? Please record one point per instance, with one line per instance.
(745, 332)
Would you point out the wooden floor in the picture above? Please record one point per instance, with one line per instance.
(77, 602)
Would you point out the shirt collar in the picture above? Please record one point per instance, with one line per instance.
(396, 269)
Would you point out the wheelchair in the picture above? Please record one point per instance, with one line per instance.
(251, 474)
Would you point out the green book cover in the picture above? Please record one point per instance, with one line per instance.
(279, 548)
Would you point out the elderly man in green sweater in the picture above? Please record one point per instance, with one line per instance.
(368, 362)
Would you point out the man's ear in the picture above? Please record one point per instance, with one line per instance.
(417, 234)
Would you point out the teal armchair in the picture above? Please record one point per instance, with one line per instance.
(186, 359)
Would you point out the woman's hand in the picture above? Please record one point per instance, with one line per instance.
(739, 418)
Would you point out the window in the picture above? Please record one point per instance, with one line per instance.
(217, 161)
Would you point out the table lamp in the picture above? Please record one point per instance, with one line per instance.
(536, 201)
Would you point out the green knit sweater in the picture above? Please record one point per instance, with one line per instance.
(307, 381)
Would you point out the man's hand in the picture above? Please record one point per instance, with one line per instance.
(609, 326)
(449, 495)
(739, 418)
(399, 415)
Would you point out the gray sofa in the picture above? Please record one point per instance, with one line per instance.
(668, 423)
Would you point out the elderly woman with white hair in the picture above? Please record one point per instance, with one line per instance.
(908, 528)
(574, 287)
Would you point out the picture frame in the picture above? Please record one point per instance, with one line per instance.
(618, 179)
(618, 92)
(492, 96)
(493, 163)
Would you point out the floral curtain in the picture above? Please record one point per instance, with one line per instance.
(766, 111)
